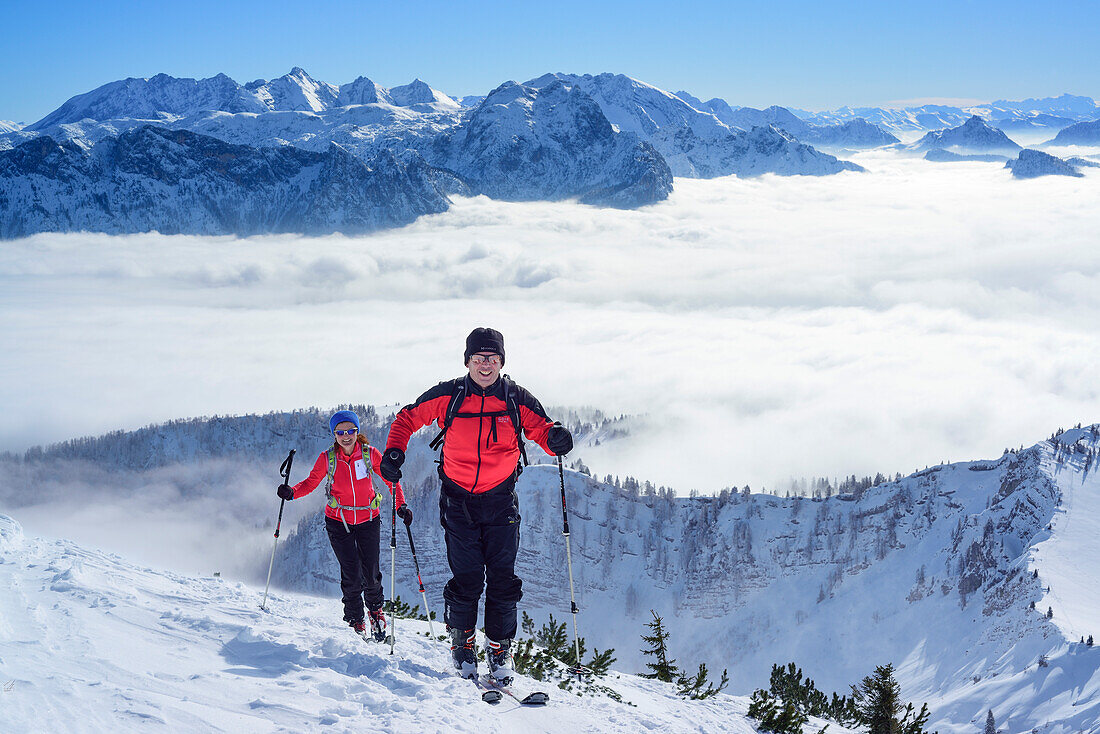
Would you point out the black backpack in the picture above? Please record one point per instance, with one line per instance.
(511, 402)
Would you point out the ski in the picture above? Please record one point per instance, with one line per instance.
(488, 693)
(368, 637)
(536, 698)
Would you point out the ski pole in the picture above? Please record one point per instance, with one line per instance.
(423, 595)
(579, 669)
(284, 471)
(393, 567)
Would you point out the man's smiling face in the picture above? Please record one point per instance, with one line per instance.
(484, 368)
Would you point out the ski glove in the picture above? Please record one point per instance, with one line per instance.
(405, 514)
(285, 491)
(559, 440)
(390, 469)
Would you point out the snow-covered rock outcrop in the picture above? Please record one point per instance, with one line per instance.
(1034, 163)
(175, 181)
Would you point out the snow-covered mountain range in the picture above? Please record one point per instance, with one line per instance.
(1050, 113)
(948, 572)
(607, 140)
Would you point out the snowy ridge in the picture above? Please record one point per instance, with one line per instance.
(930, 572)
(1082, 133)
(694, 142)
(164, 97)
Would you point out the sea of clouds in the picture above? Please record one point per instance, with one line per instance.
(768, 328)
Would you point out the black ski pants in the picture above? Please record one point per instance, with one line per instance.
(360, 576)
(482, 534)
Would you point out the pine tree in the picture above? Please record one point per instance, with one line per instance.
(662, 668)
(878, 700)
(774, 715)
(1089, 641)
(990, 725)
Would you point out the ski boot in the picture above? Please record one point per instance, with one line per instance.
(501, 665)
(358, 626)
(377, 625)
(463, 653)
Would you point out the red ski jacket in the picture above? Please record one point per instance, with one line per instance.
(479, 452)
(351, 487)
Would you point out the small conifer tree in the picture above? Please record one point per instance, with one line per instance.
(662, 668)
(990, 724)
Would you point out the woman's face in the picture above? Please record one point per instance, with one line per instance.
(347, 441)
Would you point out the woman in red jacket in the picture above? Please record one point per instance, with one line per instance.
(352, 518)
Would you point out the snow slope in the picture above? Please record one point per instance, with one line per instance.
(92, 643)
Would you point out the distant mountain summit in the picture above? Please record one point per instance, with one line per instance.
(553, 142)
(973, 136)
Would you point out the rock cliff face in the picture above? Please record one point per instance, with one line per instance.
(179, 182)
(525, 143)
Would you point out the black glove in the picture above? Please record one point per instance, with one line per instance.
(391, 465)
(405, 514)
(285, 491)
(559, 440)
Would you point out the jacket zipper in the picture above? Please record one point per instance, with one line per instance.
(480, 424)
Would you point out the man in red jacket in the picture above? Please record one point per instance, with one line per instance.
(478, 505)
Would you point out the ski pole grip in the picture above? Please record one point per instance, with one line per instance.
(284, 468)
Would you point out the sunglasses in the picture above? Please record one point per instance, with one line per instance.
(480, 360)
(349, 432)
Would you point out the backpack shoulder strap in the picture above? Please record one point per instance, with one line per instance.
(511, 401)
(458, 394)
(331, 473)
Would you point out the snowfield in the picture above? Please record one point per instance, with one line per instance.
(92, 643)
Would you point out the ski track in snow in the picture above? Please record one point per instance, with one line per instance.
(93, 643)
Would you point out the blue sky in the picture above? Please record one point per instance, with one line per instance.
(798, 53)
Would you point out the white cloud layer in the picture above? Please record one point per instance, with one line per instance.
(770, 328)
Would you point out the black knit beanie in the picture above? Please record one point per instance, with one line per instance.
(483, 339)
